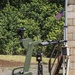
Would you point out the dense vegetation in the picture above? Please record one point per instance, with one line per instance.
(37, 16)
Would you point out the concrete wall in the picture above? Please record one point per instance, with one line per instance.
(71, 35)
(71, 2)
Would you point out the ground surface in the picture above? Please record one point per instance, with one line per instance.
(5, 63)
(6, 67)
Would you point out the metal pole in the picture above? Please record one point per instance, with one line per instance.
(68, 62)
(64, 65)
(65, 35)
(65, 25)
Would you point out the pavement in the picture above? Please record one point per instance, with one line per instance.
(33, 69)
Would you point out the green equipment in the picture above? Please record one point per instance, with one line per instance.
(29, 45)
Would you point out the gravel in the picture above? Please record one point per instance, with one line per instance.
(33, 69)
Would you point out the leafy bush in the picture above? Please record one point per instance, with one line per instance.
(39, 19)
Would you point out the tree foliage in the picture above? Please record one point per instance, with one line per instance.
(37, 16)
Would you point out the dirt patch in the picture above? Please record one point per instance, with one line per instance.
(5, 63)
(6, 67)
